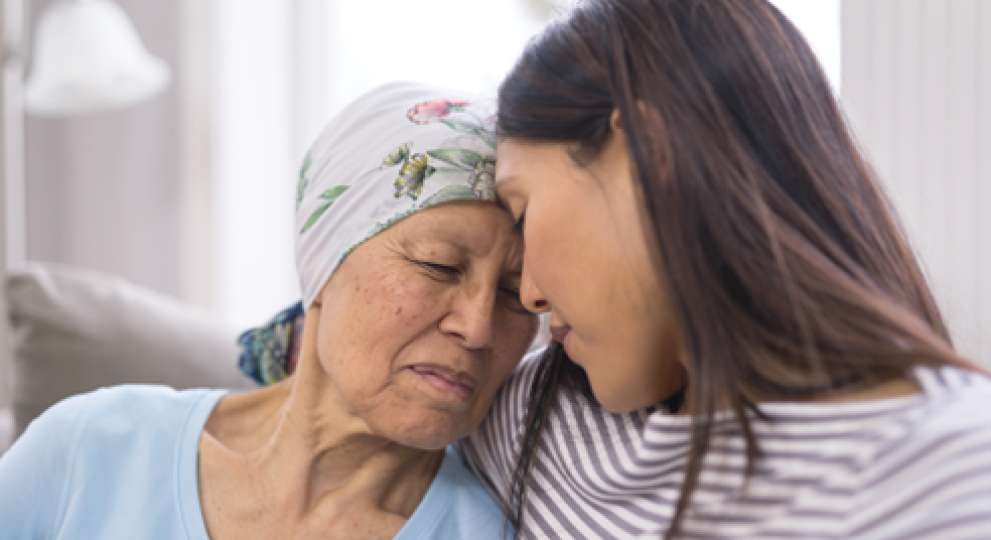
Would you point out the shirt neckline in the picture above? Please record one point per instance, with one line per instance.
(434, 504)
(783, 412)
(187, 463)
(424, 519)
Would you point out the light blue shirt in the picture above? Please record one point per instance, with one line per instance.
(121, 463)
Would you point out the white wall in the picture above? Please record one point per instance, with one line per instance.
(254, 165)
(197, 235)
(917, 86)
(819, 21)
(468, 45)
(10, 100)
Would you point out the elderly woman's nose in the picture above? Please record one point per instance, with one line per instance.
(472, 319)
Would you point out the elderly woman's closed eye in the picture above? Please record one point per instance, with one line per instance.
(410, 322)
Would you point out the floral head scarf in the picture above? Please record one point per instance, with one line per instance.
(396, 150)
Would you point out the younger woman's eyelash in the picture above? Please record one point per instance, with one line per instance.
(518, 226)
(515, 299)
(510, 291)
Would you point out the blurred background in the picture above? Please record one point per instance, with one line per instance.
(189, 193)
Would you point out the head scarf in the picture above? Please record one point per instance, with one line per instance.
(396, 150)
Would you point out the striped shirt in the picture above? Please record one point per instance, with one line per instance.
(917, 466)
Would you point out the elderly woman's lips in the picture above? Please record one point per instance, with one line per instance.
(447, 380)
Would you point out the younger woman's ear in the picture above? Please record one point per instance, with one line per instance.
(615, 121)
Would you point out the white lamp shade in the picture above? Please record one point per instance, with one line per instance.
(89, 58)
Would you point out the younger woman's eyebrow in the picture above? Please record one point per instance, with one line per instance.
(504, 182)
(505, 178)
(503, 190)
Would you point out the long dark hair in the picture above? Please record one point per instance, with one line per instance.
(786, 267)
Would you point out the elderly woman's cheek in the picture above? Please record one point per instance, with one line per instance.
(397, 298)
(520, 331)
(367, 317)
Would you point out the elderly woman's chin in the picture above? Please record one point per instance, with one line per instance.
(430, 418)
(424, 404)
(424, 427)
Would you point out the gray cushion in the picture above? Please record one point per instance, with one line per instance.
(76, 330)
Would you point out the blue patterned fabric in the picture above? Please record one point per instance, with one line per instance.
(269, 352)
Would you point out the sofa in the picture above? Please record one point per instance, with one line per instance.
(75, 330)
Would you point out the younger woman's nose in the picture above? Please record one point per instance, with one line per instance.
(530, 295)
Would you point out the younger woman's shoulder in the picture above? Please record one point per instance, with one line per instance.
(931, 474)
(957, 402)
(952, 421)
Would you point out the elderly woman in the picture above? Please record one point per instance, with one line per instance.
(410, 281)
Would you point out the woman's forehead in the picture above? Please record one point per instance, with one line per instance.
(478, 227)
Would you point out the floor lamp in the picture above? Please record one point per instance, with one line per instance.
(87, 58)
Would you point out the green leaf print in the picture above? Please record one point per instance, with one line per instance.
(462, 127)
(465, 159)
(449, 193)
(399, 156)
(330, 196)
(487, 136)
(303, 182)
(333, 193)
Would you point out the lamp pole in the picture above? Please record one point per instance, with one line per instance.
(12, 143)
(14, 242)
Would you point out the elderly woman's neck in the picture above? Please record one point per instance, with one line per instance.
(290, 439)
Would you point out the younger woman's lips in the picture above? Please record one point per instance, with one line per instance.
(561, 335)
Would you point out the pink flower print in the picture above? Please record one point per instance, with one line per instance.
(429, 112)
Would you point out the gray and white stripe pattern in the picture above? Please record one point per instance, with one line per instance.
(900, 468)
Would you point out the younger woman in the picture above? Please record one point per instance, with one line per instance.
(747, 347)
